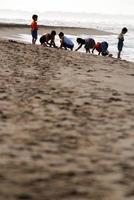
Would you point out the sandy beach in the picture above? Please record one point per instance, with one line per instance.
(66, 124)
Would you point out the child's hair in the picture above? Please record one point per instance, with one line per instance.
(80, 41)
(53, 32)
(35, 17)
(61, 34)
(124, 30)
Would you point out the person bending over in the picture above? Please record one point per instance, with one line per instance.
(89, 44)
(48, 39)
(102, 48)
(65, 42)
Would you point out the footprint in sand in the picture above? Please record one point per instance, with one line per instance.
(131, 74)
(3, 116)
(91, 70)
(116, 93)
(24, 196)
(111, 99)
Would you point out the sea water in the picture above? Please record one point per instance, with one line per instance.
(104, 22)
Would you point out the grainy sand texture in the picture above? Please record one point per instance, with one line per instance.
(66, 125)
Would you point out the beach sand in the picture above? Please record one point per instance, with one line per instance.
(66, 125)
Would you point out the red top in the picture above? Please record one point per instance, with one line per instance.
(34, 26)
(98, 46)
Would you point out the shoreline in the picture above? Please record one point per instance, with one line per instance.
(15, 31)
(7, 29)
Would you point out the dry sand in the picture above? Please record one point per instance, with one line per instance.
(66, 125)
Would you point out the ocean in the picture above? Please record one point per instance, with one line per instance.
(105, 22)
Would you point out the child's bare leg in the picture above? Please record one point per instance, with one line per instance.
(119, 54)
(33, 41)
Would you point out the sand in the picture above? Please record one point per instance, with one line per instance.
(66, 125)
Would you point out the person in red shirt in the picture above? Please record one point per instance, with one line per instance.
(34, 29)
(97, 47)
(102, 48)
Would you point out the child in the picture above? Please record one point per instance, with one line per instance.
(34, 29)
(44, 40)
(89, 44)
(121, 40)
(65, 42)
(102, 48)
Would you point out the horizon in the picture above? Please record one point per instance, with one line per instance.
(66, 12)
(116, 7)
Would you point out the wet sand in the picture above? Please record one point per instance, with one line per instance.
(13, 30)
(66, 125)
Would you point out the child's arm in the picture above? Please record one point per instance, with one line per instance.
(61, 43)
(47, 40)
(52, 42)
(32, 26)
(78, 47)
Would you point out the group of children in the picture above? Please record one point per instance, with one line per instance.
(66, 43)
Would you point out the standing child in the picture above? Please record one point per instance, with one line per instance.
(121, 41)
(65, 42)
(34, 28)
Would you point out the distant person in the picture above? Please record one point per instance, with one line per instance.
(34, 29)
(48, 39)
(65, 42)
(102, 48)
(121, 41)
(89, 44)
